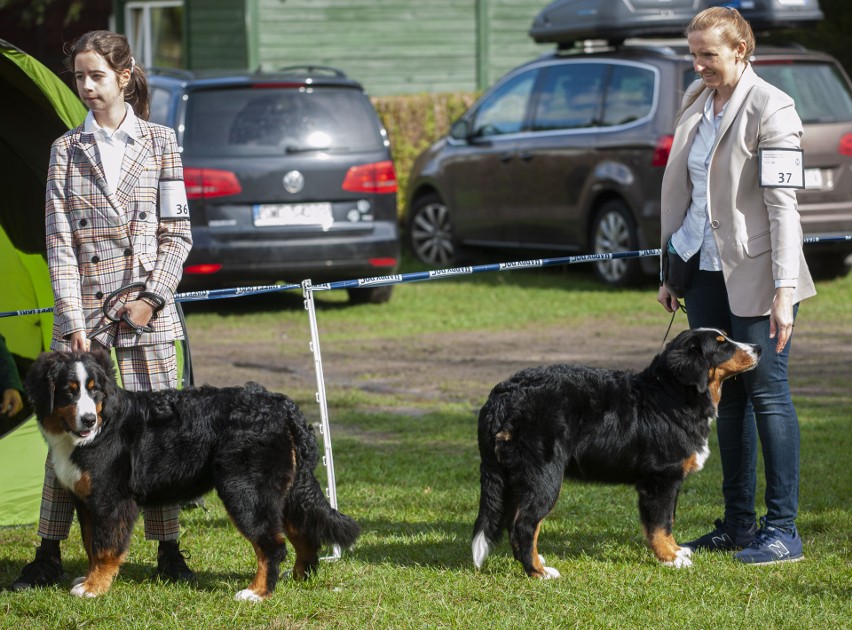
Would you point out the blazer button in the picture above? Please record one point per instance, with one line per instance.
(128, 252)
(95, 259)
(143, 215)
(83, 223)
(714, 224)
(99, 295)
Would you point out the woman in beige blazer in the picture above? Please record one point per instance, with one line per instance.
(741, 239)
(115, 214)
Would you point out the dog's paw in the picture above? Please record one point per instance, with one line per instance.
(78, 580)
(80, 590)
(551, 574)
(247, 595)
(681, 559)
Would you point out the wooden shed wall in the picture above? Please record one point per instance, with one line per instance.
(399, 46)
(216, 34)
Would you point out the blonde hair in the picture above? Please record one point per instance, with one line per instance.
(116, 51)
(731, 25)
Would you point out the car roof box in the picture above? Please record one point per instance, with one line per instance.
(765, 15)
(567, 21)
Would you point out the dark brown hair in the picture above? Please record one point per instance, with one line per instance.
(116, 51)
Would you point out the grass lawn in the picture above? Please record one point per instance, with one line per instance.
(411, 480)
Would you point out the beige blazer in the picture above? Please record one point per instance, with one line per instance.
(99, 240)
(757, 230)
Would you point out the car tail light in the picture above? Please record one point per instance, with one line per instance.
(383, 262)
(203, 269)
(845, 145)
(662, 150)
(378, 177)
(203, 183)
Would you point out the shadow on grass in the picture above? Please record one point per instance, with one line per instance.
(454, 552)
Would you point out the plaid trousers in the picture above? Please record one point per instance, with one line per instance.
(142, 368)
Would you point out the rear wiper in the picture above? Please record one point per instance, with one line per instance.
(294, 149)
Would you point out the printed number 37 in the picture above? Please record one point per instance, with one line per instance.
(784, 178)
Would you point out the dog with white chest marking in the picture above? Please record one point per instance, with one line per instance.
(646, 429)
(116, 450)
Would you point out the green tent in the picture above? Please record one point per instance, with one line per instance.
(35, 109)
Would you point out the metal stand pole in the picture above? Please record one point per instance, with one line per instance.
(325, 431)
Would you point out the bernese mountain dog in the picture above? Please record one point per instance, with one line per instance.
(116, 450)
(647, 429)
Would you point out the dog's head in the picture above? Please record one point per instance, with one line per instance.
(70, 391)
(706, 357)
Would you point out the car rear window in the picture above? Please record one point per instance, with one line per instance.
(821, 92)
(275, 120)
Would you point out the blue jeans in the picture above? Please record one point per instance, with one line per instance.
(754, 405)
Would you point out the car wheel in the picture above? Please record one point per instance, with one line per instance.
(430, 233)
(827, 266)
(370, 295)
(613, 231)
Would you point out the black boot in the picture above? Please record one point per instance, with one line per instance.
(45, 570)
(171, 562)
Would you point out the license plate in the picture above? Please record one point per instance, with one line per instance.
(813, 178)
(318, 214)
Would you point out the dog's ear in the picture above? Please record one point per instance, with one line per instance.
(103, 359)
(684, 358)
(40, 382)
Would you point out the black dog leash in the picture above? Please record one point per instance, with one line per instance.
(108, 303)
(671, 321)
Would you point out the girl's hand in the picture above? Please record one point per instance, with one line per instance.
(781, 317)
(79, 342)
(668, 301)
(139, 312)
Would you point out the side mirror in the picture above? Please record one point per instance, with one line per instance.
(460, 130)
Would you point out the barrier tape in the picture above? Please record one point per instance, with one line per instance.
(418, 276)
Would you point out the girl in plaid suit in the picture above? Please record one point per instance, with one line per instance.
(115, 214)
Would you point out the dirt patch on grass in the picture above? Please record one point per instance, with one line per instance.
(463, 366)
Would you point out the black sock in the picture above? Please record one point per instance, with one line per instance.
(167, 545)
(51, 547)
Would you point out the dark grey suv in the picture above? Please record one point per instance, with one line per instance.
(565, 155)
(289, 176)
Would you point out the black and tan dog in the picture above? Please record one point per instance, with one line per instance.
(117, 450)
(647, 429)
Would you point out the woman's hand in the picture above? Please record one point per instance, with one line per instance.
(11, 403)
(781, 317)
(668, 301)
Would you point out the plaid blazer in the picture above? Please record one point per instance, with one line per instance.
(99, 241)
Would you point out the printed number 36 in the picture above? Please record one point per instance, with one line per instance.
(181, 209)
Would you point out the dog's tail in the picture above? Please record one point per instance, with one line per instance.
(307, 508)
(494, 491)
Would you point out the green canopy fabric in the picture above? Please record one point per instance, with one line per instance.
(36, 108)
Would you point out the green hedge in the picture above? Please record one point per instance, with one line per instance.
(413, 122)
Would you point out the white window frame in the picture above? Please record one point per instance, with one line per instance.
(140, 42)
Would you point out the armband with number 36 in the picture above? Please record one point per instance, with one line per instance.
(173, 204)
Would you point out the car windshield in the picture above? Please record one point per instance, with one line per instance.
(821, 93)
(276, 120)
